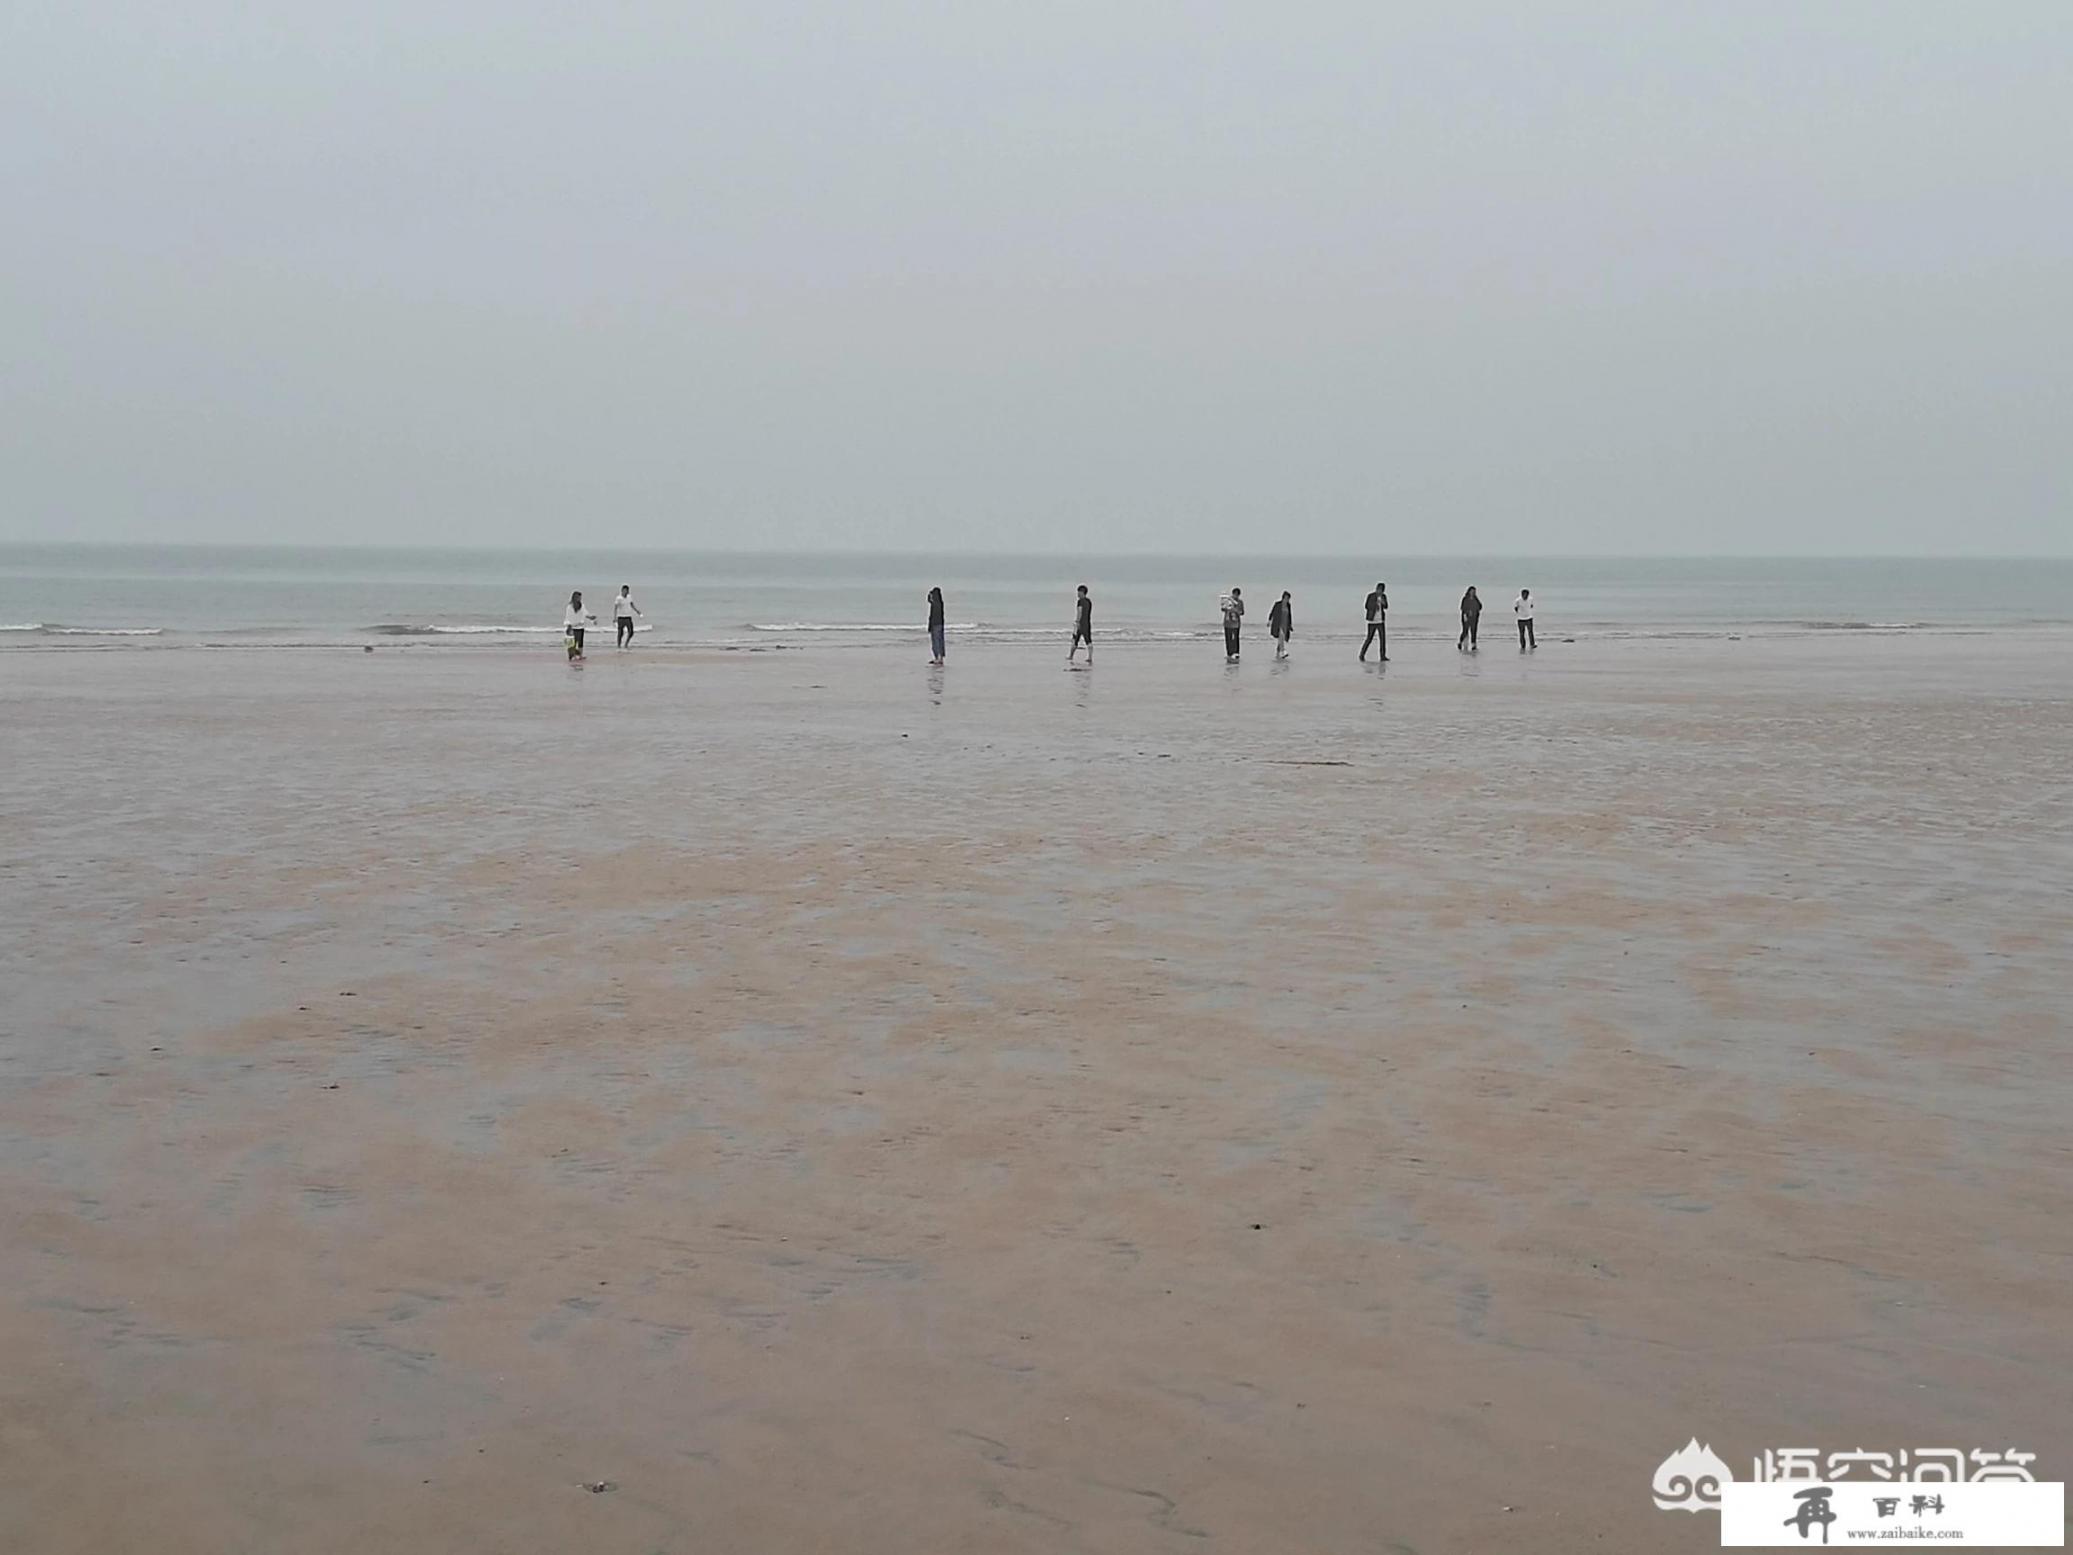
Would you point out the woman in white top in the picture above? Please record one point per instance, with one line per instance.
(1522, 607)
(573, 620)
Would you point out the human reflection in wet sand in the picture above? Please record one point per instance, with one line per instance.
(1083, 691)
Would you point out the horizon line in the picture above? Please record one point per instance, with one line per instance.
(1147, 554)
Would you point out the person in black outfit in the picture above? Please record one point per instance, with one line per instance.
(1281, 624)
(1376, 606)
(936, 625)
(1471, 613)
(1082, 626)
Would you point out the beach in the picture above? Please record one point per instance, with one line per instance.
(799, 1100)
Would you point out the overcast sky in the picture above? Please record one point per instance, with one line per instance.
(1314, 277)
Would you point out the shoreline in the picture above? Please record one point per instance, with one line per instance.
(546, 641)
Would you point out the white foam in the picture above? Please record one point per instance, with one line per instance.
(389, 630)
(405, 629)
(856, 626)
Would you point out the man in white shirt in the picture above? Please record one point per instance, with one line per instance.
(1522, 607)
(623, 611)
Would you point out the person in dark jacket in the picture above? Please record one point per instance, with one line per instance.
(936, 624)
(1471, 613)
(1281, 624)
(1082, 626)
(1377, 608)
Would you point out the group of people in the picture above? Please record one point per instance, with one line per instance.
(575, 618)
(1281, 623)
(1472, 615)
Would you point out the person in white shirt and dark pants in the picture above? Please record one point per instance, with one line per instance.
(1522, 607)
(623, 612)
(573, 620)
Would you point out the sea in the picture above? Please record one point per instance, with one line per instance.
(161, 598)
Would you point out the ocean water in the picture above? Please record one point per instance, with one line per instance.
(164, 597)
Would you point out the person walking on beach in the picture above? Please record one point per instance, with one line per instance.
(573, 620)
(623, 612)
(1082, 626)
(1281, 624)
(936, 625)
(1522, 607)
(1471, 613)
(1233, 606)
(1377, 606)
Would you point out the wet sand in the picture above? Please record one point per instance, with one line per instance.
(845, 1107)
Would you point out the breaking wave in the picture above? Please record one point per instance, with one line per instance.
(856, 626)
(986, 630)
(404, 629)
(1861, 626)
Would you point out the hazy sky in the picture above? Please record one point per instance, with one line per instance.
(1330, 276)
